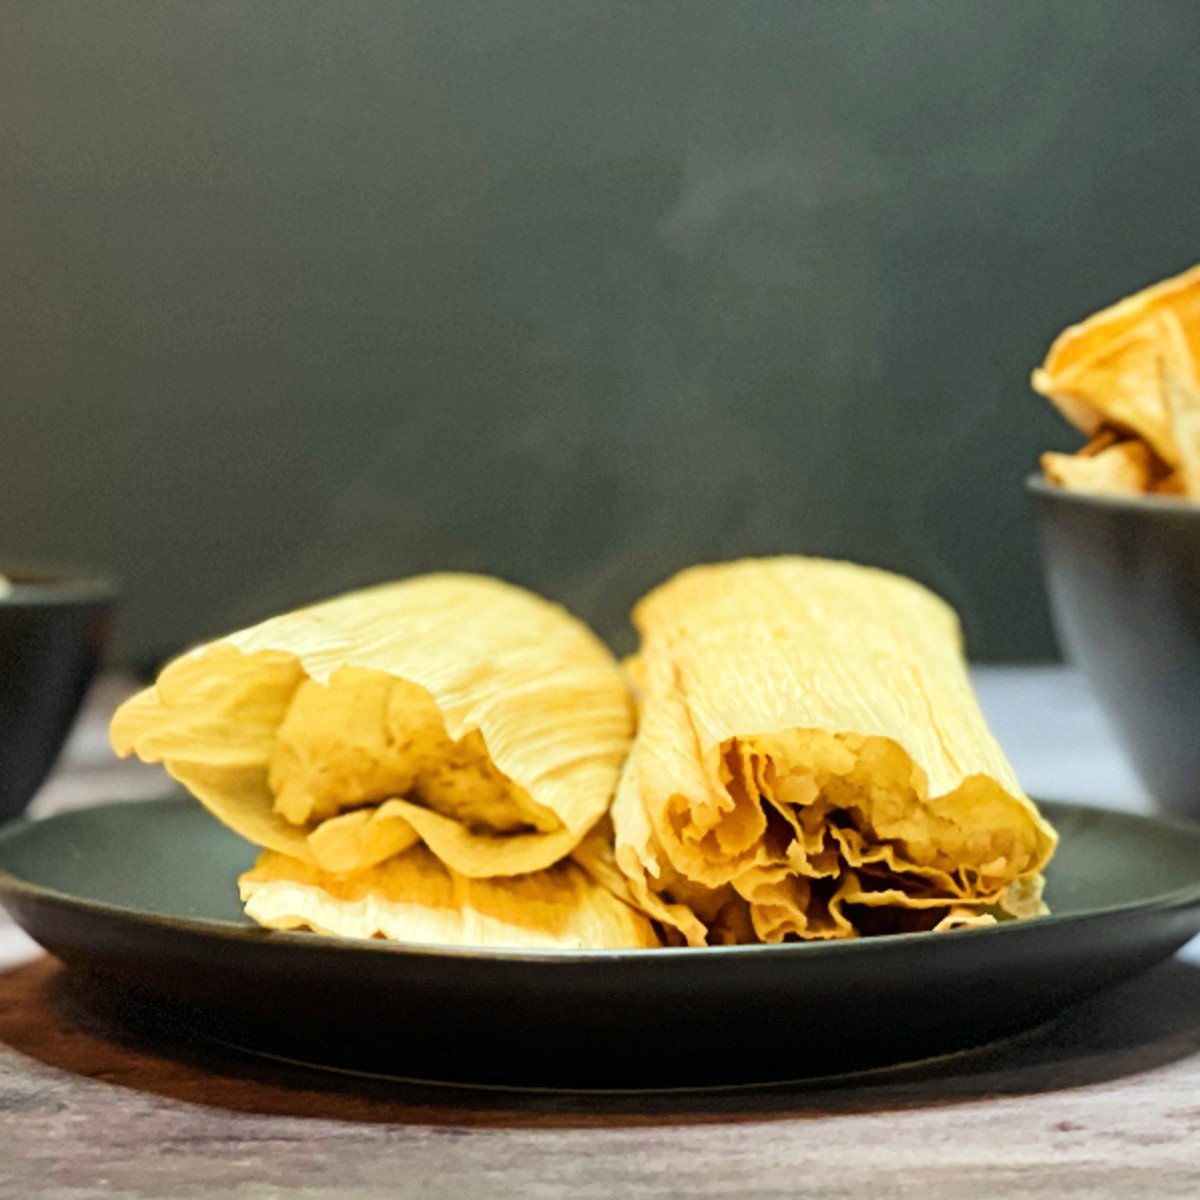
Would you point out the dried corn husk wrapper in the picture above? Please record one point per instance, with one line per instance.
(1106, 466)
(1127, 377)
(414, 897)
(811, 762)
(452, 710)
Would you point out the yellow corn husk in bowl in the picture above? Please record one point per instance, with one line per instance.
(1127, 376)
(811, 762)
(454, 710)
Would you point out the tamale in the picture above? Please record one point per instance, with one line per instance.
(1128, 377)
(454, 710)
(413, 897)
(810, 749)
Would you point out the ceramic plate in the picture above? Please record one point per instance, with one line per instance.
(144, 894)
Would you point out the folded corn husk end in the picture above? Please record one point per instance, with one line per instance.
(458, 710)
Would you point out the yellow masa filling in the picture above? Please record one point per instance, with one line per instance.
(347, 751)
(807, 824)
(366, 737)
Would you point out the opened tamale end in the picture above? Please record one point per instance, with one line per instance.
(457, 710)
(809, 742)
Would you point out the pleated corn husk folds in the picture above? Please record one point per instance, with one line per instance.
(811, 762)
(415, 898)
(530, 690)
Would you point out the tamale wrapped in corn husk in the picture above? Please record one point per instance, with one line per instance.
(1127, 376)
(811, 762)
(453, 710)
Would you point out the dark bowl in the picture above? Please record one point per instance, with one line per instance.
(53, 630)
(1123, 575)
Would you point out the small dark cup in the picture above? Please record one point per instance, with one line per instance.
(1123, 575)
(53, 630)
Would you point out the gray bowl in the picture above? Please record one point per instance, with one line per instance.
(1123, 576)
(53, 630)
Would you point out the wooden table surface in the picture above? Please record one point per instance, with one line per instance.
(1104, 1103)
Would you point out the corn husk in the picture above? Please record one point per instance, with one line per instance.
(414, 898)
(811, 762)
(454, 710)
(1130, 372)
(1124, 468)
(1183, 407)
(1120, 385)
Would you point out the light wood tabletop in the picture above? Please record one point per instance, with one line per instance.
(1104, 1103)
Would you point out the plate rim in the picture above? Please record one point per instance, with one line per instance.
(13, 886)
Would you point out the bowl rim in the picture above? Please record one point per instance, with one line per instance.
(1036, 485)
(56, 584)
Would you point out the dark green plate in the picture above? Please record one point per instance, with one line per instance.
(144, 895)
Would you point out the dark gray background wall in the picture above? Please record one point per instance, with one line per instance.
(294, 296)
